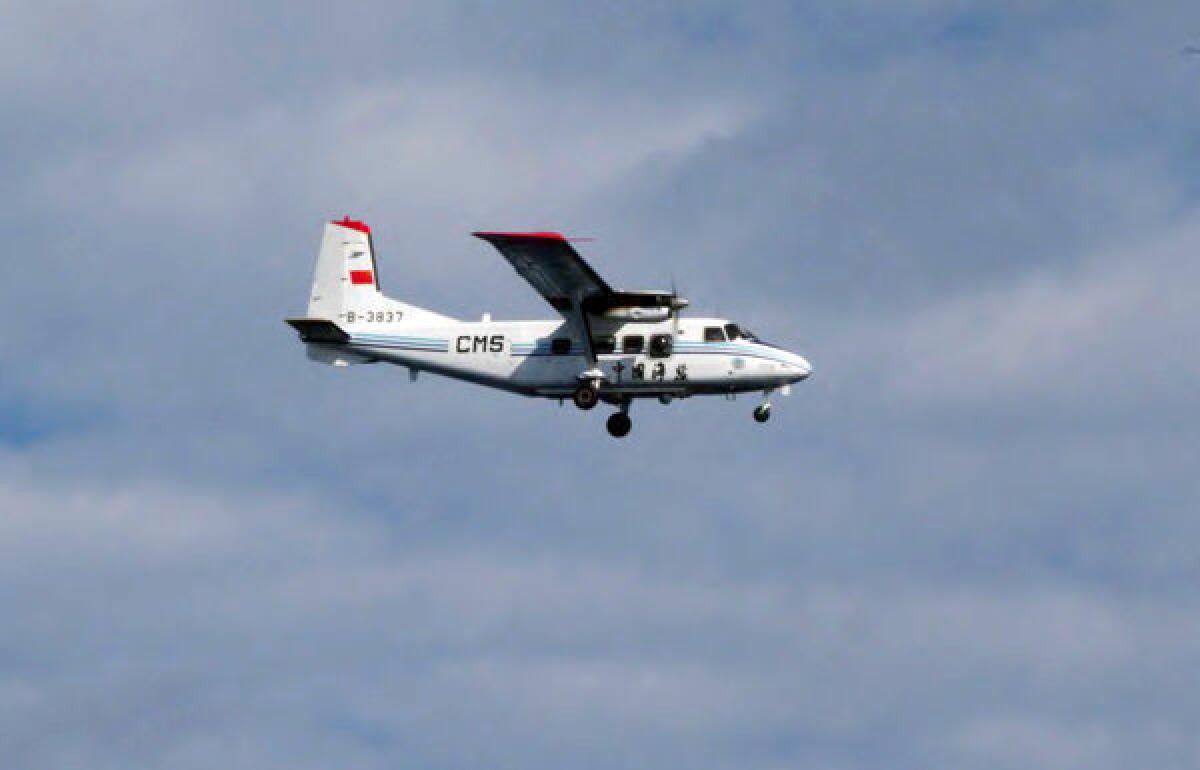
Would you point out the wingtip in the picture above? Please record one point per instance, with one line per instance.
(488, 235)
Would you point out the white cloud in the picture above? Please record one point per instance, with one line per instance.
(451, 144)
(1111, 324)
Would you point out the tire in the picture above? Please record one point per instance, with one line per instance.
(762, 413)
(619, 425)
(586, 397)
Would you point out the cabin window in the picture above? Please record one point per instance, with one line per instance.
(605, 343)
(661, 345)
(713, 334)
(633, 343)
(560, 346)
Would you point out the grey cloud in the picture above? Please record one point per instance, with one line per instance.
(964, 542)
(318, 622)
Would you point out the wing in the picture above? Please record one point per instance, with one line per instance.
(570, 285)
(552, 266)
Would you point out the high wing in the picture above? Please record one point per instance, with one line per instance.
(552, 266)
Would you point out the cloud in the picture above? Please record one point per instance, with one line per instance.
(1056, 335)
(965, 542)
(461, 143)
(187, 625)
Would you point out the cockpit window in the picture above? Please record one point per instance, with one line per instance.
(714, 334)
(736, 332)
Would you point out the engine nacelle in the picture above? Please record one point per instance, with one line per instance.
(637, 314)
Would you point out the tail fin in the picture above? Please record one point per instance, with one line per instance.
(345, 277)
(346, 281)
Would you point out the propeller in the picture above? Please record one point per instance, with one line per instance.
(676, 306)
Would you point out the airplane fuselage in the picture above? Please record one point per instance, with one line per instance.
(544, 358)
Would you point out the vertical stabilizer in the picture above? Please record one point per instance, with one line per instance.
(345, 277)
(345, 286)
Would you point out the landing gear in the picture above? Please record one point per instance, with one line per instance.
(586, 396)
(762, 412)
(619, 425)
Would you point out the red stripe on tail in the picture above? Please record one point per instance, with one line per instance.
(362, 227)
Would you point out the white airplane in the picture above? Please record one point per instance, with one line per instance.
(610, 345)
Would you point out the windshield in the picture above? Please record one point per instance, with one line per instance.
(739, 332)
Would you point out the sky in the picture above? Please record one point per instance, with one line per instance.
(968, 541)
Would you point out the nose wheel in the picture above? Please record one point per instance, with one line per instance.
(762, 412)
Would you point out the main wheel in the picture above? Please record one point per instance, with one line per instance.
(762, 413)
(585, 396)
(619, 425)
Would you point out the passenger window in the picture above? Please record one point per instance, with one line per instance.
(605, 343)
(661, 345)
(713, 334)
(560, 346)
(633, 343)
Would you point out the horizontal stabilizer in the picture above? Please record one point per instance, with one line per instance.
(318, 330)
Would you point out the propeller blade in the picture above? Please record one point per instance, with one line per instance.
(676, 307)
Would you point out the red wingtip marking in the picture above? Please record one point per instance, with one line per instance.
(361, 277)
(549, 236)
(353, 224)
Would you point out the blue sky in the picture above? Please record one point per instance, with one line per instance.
(968, 541)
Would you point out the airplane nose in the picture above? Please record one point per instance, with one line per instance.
(803, 368)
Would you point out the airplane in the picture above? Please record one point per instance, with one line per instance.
(609, 345)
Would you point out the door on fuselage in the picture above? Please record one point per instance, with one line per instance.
(612, 359)
(640, 360)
